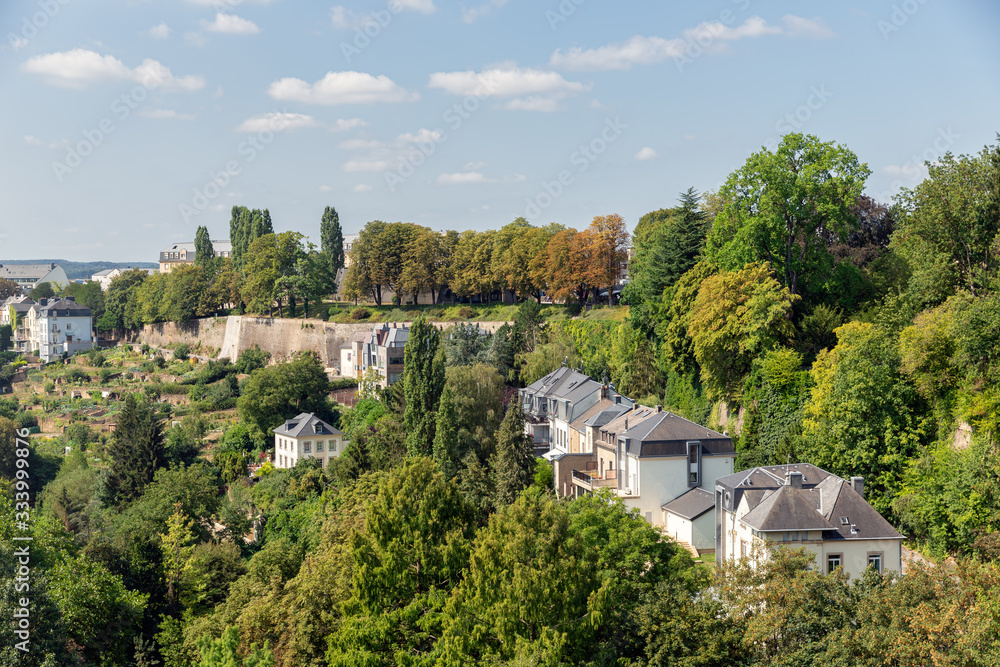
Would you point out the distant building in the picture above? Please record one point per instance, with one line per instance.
(13, 313)
(57, 326)
(29, 276)
(349, 241)
(104, 278)
(180, 254)
(306, 437)
(383, 351)
(800, 505)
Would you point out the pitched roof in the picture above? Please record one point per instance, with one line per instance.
(601, 406)
(691, 504)
(306, 424)
(64, 307)
(606, 416)
(217, 246)
(786, 508)
(26, 271)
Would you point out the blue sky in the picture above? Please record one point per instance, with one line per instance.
(124, 125)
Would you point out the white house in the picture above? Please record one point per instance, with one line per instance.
(306, 437)
(29, 276)
(104, 278)
(57, 326)
(800, 505)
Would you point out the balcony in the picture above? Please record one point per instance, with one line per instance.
(591, 479)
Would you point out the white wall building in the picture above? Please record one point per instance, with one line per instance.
(57, 326)
(800, 505)
(306, 437)
(29, 276)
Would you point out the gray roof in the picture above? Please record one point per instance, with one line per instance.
(562, 383)
(26, 271)
(306, 424)
(606, 416)
(593, 411)
(691, 504)
(60, 307)
(217, 246)
(654, 432)
(825, 502)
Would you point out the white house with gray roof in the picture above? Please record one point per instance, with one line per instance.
(55, 327)
(800, 505)
(30, 276)
(182, 254)
(306, 437)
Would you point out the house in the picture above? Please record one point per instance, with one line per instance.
(182, 254)
(350, 356)
(382, 350)
(13, 313)
(306, 437)
(58, 326)
(29, 276)
(553, 403)
(104, 278)
(800, 505)
(649, 458)
(349, 241)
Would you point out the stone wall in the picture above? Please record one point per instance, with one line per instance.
(281, 337)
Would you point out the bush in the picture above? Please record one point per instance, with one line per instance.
(26, 420)
(145, 348)
(343, 383)
(160, 362)
(182, 351)
(49, 386)
(77, 375)
(96, 357)
(466, 313)
(359, 314)
(251, 359)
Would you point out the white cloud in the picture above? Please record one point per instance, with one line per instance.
(277, 122)
(228, 4)
(471, 15)
(473, 166)
(814, 27)
(341, 17)
(17, 43)
(710, 36)
(81, 67)
(533, 90)
(423, 136)
(345, 124)
(341, 88)
(362, 187)
(422, 6)
(359, 144)
(367, 165)
(161, 31)
(35, 141)
(165, 114)
(534, 103)
(325, 188)
(462, 178)
(195, 39)
(231, 24)
(646, 153)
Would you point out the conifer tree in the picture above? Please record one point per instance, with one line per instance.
(136, 451)
(446, 435)
(513, 463)
(423, 382)
(331, 238)
(204, 253)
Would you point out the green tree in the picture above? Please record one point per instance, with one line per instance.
(8, 288)
(513, 463)
(121, 302)
(204, 253)
(42, 291)
(423, 382)
(177, 545)
(246, 226)
(776, 205)
(282, 391)
(477, 398)
(445, 451)
(332, 239)
(89, 295)
(136, 451)
(735, 318)
(223, 652)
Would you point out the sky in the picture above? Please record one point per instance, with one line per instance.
(124, 125)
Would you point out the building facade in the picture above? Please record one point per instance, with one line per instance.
(800, 505)
(382, 350)
(306, 437)
(55, 327)
(182, 254)
(29, 276)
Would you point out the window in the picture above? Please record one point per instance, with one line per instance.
(333, 445)
(833, 561)
(693, 478)
(875, 561)
(743, 548)
(319, 445)
(307, 447)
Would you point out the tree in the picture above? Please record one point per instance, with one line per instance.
(89, 295)
(422, 271)
(276, 393)
(245, 227)
(423, 382)
(8, 288)
(477, 398)
(513, 463)
(204, 253)
(42, 291)
(262, 279)
(223, 652)
(610, 240)
(331, 239)
(183, 293)
(777, 205)
(445, 451)
(735, 318)
(136, 451)
(863, 415)
(177, 545)
(571, 265)
(121, 302)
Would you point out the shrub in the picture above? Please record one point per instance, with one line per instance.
(145, 348)
(160, 362)
(466, 313)
(49, 386)
(96, 358)
(251, 359)
(343, 383)
(26, 420)
(359, 314)
(182, 351)
(77, 375)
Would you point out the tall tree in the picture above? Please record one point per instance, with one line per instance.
(446, 436)
(204, 253)
(136, 451)
(423, 382)
(610, 238)
(777, 206)
(276, 393)
(513, 463)
(331, 238)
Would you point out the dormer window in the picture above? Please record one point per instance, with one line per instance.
(317, 428)
(844, 521)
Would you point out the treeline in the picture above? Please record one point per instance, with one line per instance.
(264, 270)
(518, 259)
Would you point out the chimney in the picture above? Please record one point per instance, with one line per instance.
(858, 484)
(71, 299)
(659, 408)
(43, 302)
(793, 478)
